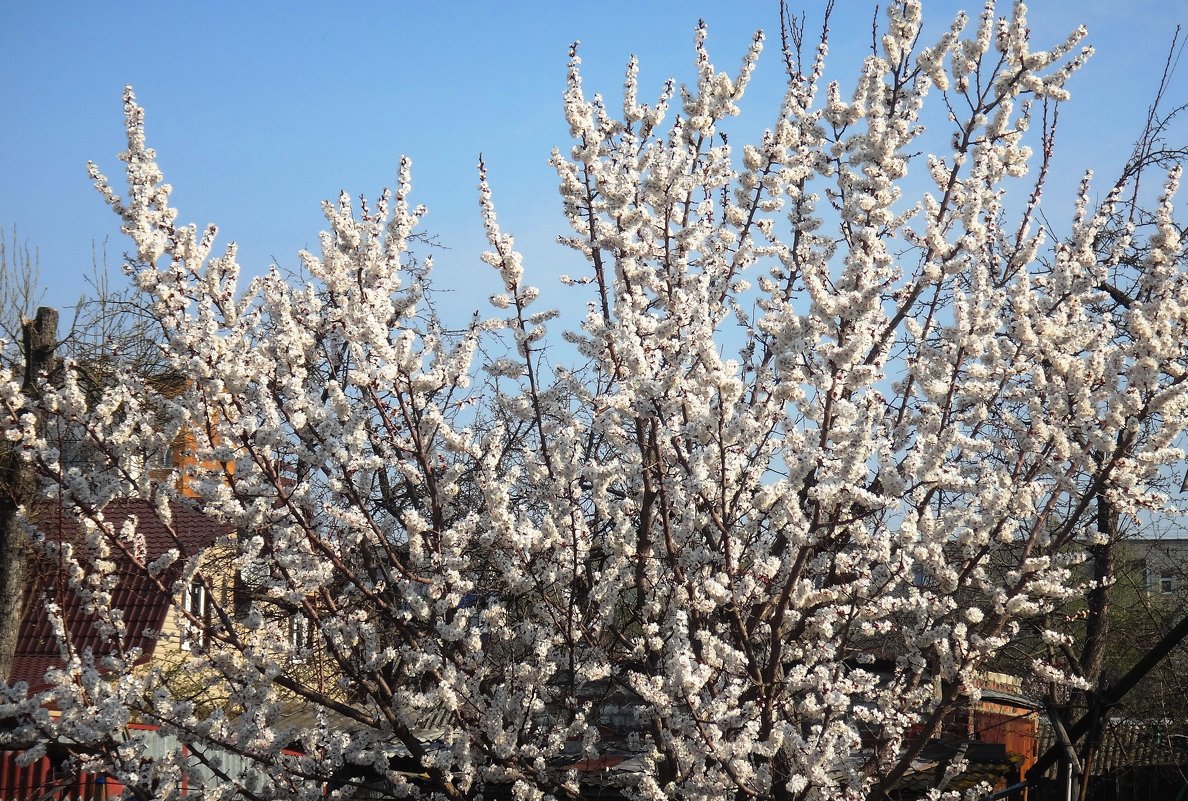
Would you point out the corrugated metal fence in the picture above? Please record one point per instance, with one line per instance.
(44, 780)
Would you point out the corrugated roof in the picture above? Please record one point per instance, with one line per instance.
(143, 603)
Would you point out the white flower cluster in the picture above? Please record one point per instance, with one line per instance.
(827, 448)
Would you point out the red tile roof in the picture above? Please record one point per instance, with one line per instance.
(145, 606)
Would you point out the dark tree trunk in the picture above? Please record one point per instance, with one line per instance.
(18, 487)
(1097, 630)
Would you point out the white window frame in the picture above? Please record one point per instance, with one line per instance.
(301, 636)
(197, 604)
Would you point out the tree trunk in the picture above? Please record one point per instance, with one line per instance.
(1096, 633)
(18, 487)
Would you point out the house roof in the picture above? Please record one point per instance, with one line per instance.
(143, 603)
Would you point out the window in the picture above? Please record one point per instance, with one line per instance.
(164, 459)
(251, 585)
(197, 603)
(1166, 582)
(301, 635)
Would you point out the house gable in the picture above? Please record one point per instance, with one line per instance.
(145, 606)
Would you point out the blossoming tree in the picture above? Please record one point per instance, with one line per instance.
(832, 430)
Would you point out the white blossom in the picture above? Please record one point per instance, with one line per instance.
(825, 446)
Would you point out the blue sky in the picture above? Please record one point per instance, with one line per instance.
(259, 110)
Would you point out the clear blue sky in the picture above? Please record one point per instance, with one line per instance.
(258, 110)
